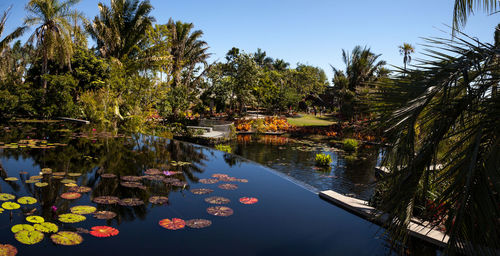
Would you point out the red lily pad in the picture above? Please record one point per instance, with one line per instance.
(108, 175)
(152, 171)
(209, 181)
(71, 195)
(228, 186)
(7, 250)
(170, 173)
(104, 215)
(198, 223)
(201, 191)
(106, 200)
(131, 178)
(131, 184)
(158, 199)
(81, 189)
(179, 183)
(66, 238)
(219, 175)
(173, 224)
(248, 200)
(104, 231)
(154, 177)
(217, 200)
(243, 180)
(130, 202)
(220, 211)
(170, 180)
(228, 179)
(58, 173)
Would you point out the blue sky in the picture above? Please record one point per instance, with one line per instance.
(307, 31)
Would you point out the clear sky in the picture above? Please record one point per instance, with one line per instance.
(307, 31)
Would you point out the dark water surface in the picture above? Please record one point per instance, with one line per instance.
(295, 158)
(287, 220)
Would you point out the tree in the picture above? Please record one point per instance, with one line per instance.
(52, 35)
(120, 27)
(9, 38)
(463, 8)
(444, 112)
(406, 50)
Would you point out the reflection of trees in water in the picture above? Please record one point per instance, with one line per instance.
(94, 155)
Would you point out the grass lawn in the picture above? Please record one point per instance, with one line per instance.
(311, 120)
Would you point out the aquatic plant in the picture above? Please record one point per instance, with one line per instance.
(322, 159)
(350, 145)
(225, 148)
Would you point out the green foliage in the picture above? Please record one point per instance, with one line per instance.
(60, 91)
(350, 145)
(322, 159)
(225, 148)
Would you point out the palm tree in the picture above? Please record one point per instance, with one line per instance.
(120, 27)
(444, 112)
(9, 38)
(463, 8)
(52, 36)
(187, 49)
(406, 50)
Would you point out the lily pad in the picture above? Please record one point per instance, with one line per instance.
(58, 177)
(83, 209)
(66, 238)
(130, 202)
(29, 237)
(41, 184)
(35, 219)
(242, 180)
(104, 215)
(208, 181)
(21, 227)
(131, 184)
(217, 200)
(228, 186)
(10, 206)
(179, 183)
(46, 171)
(158, 199)
(7, 250)
(58, 173)
(198, 223)
(152, 171)
(36, 177)
(27, 200)
(46, 227)
(170, 173)
(74, 174)
(71, 218)
(201, 191)
(220, 211)
(70, 185)
(68, 181)
(108, 175)
(154, 177)
(71, 195)
(170, 180)
(219, 175)
(6, 197)
(104, 231)
(173, 224)
(11, 179)
(31, 181)
(106, 200)
(81, 189)
(248, 200)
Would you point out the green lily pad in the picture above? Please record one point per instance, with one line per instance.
(46, 227)
(6, 197)
(21, 227)
(35, 219)
(71, 218)
(41, 184)
(66, 238)
(10, 206)
(27, 200)
(83, 209)
(29, 237)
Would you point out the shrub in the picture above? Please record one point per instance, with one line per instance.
(350, 145)
(323, 159)
(225, 148)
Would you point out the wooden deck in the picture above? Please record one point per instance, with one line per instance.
(362, 209)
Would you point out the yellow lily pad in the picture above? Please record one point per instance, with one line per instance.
(41, 184)
(21, 227)
(11, 179)
(35, 219)
(70, 185)
(27, 200)
(83, 209)
(46, 171)
(74, 174)
(31, 181)
(10, 206)
(6, 197)
(68, 181)
(66, 238)
(36, 177)
(29, 237)
(71, 218)
(46, 227)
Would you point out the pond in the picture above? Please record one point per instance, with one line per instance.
(267, 215)
(295, 158)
